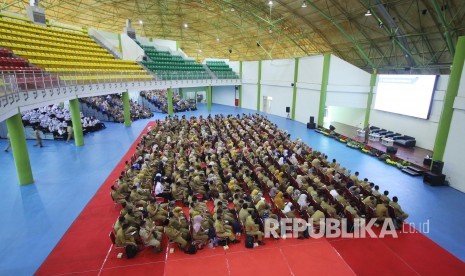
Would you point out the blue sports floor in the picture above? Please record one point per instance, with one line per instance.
(36, 216)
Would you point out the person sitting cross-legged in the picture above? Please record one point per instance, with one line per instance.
(150, 236)
(397, 209)
(252, 229)
(222, 232)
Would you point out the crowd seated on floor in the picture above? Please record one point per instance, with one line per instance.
(231, 174)
(112, 106)
(159, 99)
(54, 119)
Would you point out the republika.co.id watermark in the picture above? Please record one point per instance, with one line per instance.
(335, 228)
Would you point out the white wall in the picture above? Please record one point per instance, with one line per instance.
(110, 40)
(278, 72)
(309, 88)
(224, 95)
(282, 97)
(348, 85)
(235, 65)
(277, 76)
(249, 84)
(347, 115)
(131, 51)
(424, 131)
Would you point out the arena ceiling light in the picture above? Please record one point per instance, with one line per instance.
(270, 3)
(141, 22)
(185, 25)
(304, 4)
(368, 13)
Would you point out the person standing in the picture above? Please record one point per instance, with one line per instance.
(8, 145)
(70, 131)
(367, 133)
(38, 138)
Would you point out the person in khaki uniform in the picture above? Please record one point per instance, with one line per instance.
(176, 224)
(222, 232)
(252, 229)
(397, 209)
(381, 211)
(156, 211)
(174, 235)
(317, 216)
(150, 236)
(124, 237)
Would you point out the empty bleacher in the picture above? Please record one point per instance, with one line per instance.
(71, 55)
(171, 67)
(221, 70)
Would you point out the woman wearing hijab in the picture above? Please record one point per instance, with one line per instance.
(279, 201)
(289, 210)
(198, 232)
(302, 201)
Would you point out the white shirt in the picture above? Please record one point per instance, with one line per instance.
(159, 188)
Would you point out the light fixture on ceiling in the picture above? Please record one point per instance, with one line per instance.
(270, 31)
(141, 22)
(304, 4)
(217, 39)
(232, 9)
(368, 13)
(200, 50)
(185, 25)
(270, 3)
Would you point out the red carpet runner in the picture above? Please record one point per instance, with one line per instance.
(86, 249)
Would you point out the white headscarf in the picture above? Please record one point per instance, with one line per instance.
(302, 201)
(287, 208)
(281, 161)
(197, 223)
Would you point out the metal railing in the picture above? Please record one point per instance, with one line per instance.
(22, 81)
(12, 82)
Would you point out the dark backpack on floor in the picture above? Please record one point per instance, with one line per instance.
(249, 241)
(191, 249)
(131, 251)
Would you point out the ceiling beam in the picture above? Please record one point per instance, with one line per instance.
(450, 44)
(343, 32)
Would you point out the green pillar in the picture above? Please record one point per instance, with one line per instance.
(448, 107)
(294, 92)
(126, 109)
(370, 97)
(209, 98)
(170, 101)
(180, 93)
(259, 85)
(177, 45)
(324, 87)
(120, 44)
(76, 119)
(240, 86)
(19, 149)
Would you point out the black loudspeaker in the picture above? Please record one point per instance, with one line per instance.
(434, 179)
(288, 109)
(311, 125)
(437, 166)
(312, 119)
(392, 150)
(331, 127)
